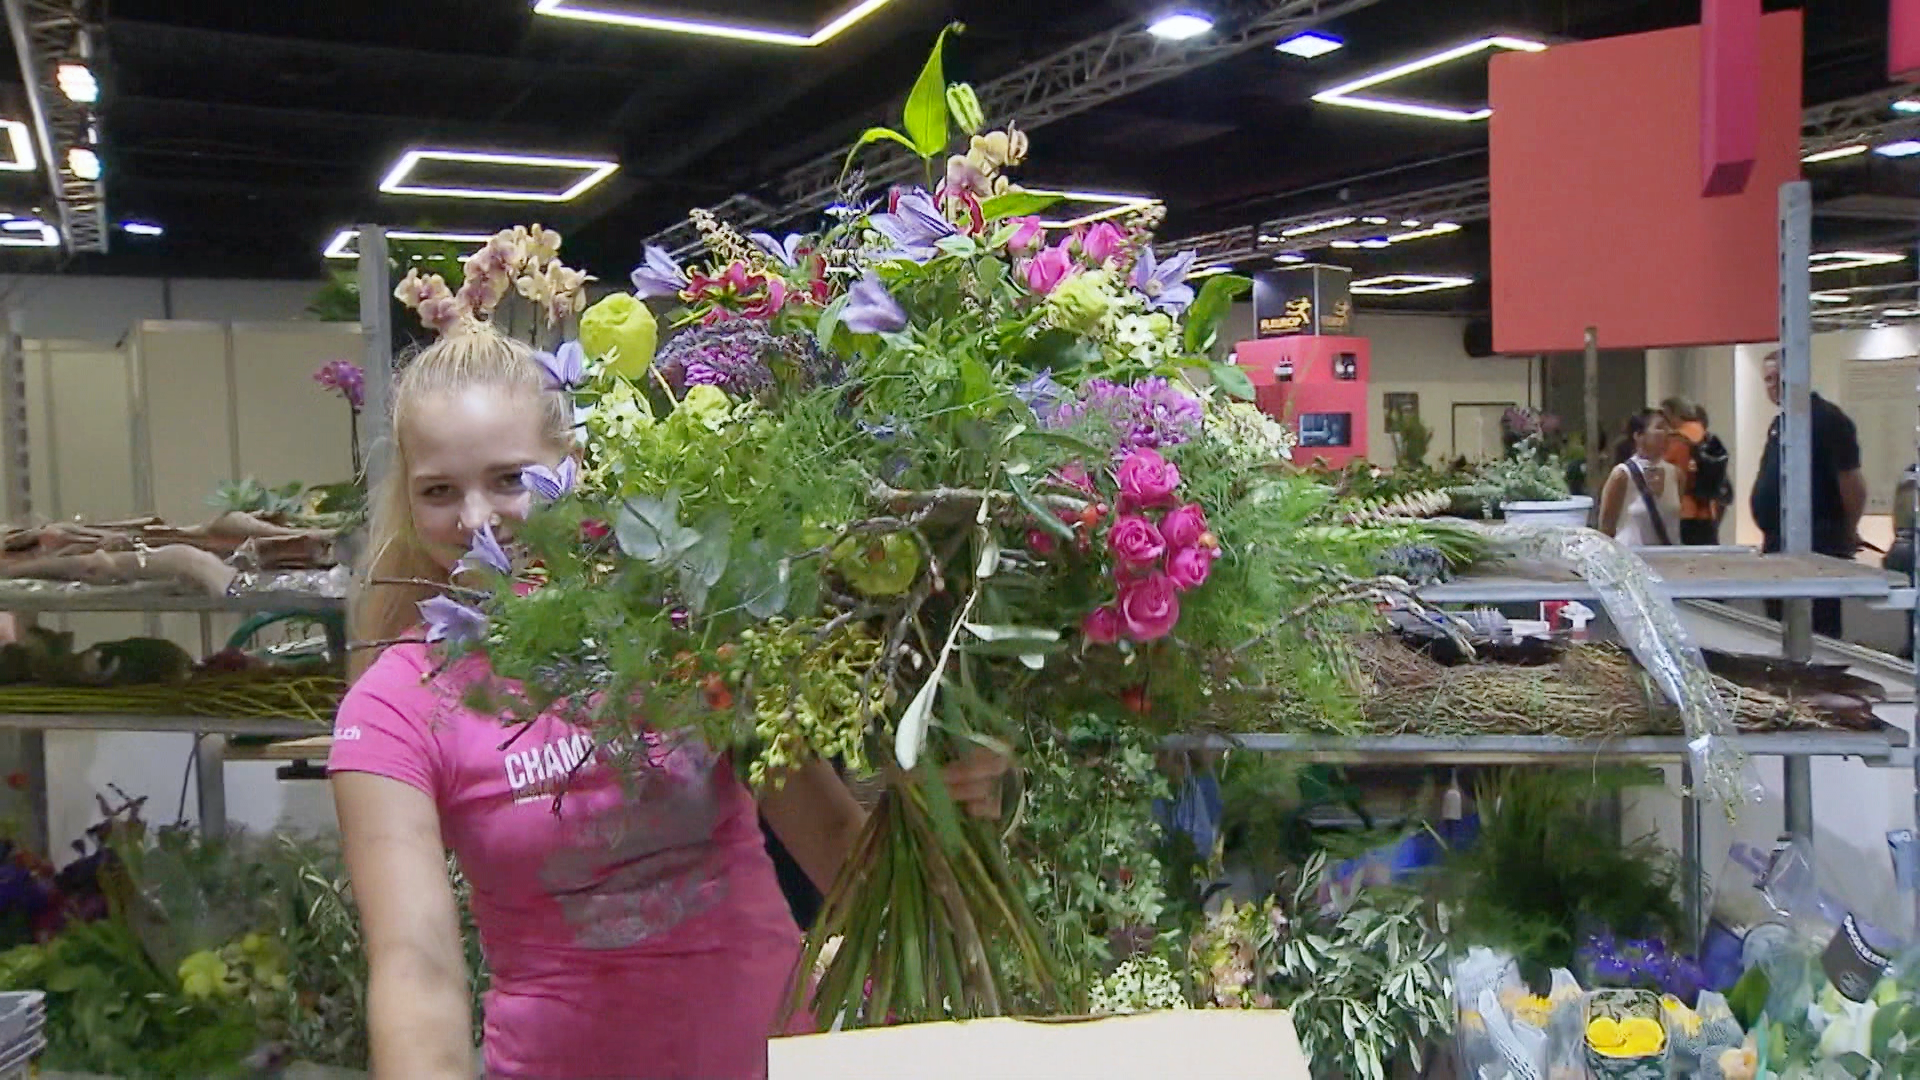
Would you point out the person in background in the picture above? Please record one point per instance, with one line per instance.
(1839, 491)
(1702, 461)
(1640, 504)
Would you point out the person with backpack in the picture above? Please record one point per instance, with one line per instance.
(1706, 484)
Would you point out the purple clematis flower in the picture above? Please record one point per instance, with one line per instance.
(566, 369)
(550, 484)
(487, 552)
(871, 309)
(914, 227)
(452, 621)
(1041, 394)
(658, 276)
(786, 252)
(1164, 284)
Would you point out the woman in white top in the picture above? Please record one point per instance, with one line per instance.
(1640, 506)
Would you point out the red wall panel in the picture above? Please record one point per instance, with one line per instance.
(1903, 40)
(1598, 216)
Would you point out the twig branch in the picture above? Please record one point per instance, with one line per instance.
(440, 586)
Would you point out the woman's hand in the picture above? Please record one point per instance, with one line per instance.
(974, 781)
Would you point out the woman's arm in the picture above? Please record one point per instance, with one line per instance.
(418, 1011)
(817, 819)
(1613, 499)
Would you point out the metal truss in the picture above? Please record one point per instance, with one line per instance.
(45, 33)
(1867, 306)
(1861, 119)
(1091, 73)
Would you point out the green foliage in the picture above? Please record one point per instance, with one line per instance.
(1525, 474)
(1088, 837)
(1412, 440)
(1545, 870)
(250, 496)
(1367, 985)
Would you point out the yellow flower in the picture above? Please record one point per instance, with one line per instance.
(621, 331)
(203, 975)
(705, 405)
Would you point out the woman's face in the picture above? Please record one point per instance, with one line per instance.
(465, 451)
(1652, 443)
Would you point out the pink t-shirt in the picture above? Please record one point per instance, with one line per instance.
(635, 931)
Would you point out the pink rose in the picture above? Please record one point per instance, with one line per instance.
(1102, 625)
(1188, 567)
(1103, 242)
(1184, 526)
(1027, 235)
(1040, 543)
(1074, 474)
(1147, 479)
(1135, 541)
(1045, 271)
(1149, 606)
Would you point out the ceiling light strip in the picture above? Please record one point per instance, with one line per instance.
(634, 20)
(395, 182)
(1407, 284)
(337, 247)
(1343, 94)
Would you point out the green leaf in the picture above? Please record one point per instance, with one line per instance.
(830, 321)
(925, 117)
(1210, 308)
(873, 135)
(960, 246)
(1015, 204)
(990, 271)
(768, 582)
(649, 529)
(1232, 379)
(1042, 517)
(976, 382)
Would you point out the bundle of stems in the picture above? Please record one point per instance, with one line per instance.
(931, 920)
(240, 696)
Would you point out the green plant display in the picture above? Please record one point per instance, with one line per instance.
(1527, 473)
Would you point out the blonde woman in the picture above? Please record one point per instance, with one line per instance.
(636, 929)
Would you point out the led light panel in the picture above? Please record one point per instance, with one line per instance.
(1835, 154)
(20, 140)
(29, 233)
(1824, 261)
(341, 246)
(638, 20)
(594, 171)
(1407, 284)
(1310, 44)
(1346, 93)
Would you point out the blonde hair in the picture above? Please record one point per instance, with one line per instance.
(476, 356)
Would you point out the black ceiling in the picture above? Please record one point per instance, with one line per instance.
(252, 131)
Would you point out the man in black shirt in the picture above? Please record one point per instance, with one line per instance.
(1839, 491)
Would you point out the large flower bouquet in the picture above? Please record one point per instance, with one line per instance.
(900, 488)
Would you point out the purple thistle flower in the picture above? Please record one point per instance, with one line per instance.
(871, 309)
(785, 252)
(344, 377)
(567, 369)
(1164, 283)
(914, 228)
(1149, 414)
(451, 621)
(1041, 394)
(745, 359)
(486, 552)
(550, 484)
(658, 275)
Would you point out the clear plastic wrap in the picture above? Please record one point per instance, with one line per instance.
(1650, 627)
(333, 582)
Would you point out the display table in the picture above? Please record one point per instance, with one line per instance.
(1198, 1043)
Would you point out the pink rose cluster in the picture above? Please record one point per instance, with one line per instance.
(1161, 548)
(1044, 268)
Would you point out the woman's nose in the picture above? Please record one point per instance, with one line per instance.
(476, 513)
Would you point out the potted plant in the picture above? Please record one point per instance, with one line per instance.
(1527, 485)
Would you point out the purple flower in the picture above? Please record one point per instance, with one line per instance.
(550, 484)
(658, 276)
(451, 621)
(914, 227)
(487, 552)
(871, 309)
(1150, 413)
(1041, 394)
(344, 377)
(731, 355)
(1164, 284)
(567, 369)
(786, 252)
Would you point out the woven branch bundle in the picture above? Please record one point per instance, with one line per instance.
(242, 696)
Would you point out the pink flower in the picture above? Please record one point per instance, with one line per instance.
(1146, 478)
(1184, 526)
(1135, 541)
(1045, 271)
(1040, 543)
(1103, 242)
(1188, 567)
(1102, 625)
(1149, 606)
(1027, 235)
(1074, 474)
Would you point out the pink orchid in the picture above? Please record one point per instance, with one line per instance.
(1028, 235)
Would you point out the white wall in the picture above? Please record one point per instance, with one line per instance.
(104, 308)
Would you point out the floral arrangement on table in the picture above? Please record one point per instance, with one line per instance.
(939, 476)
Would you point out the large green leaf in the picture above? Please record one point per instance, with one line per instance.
(1233, 380)
(873, 135)
(1210, 308)
(1016, 204)
(926, 114)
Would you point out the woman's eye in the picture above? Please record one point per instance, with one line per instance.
(436, 491)
(511, 482)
